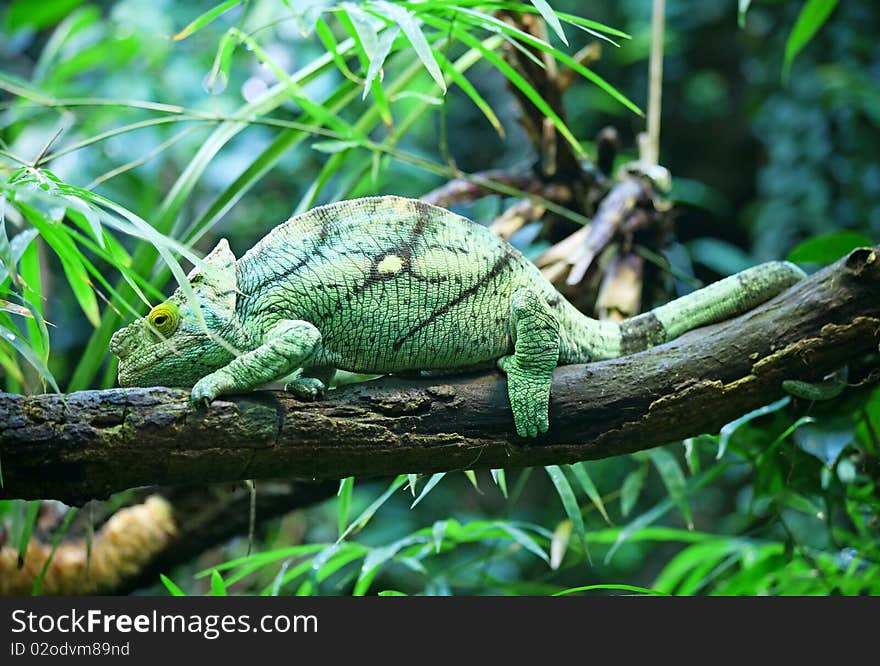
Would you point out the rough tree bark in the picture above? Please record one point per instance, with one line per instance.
(92, 443)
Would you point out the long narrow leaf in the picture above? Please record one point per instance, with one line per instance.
(583, 478)
(410, 26)
(203, 20)
(569, 502)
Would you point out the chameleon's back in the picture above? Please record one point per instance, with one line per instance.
(391, 284)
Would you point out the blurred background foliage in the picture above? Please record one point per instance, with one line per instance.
(258, 109)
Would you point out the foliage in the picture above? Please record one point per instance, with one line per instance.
(213, 119)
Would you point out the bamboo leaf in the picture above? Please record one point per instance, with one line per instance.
(204, 19)
(500, 479)
(410, 26)
(429, 486)
(218, 587)
(551, 18)
(673, 478)
(583, 478)
(56, 539)
(569, 502)
(812, 17)
(27, 528)
(171, 586)
(624, 588)
(515, 79)
(370, 511)
(346, 487)
(23, 348)
(462, 82)
(631, 489)
(523, 539)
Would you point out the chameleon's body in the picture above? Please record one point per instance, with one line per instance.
(390, 285)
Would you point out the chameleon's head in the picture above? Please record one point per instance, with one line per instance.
(171, 346)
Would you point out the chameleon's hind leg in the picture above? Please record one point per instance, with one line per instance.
(312, 383)
(529, 369)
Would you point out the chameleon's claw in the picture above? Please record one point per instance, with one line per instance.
(306, 388)
(202, 393)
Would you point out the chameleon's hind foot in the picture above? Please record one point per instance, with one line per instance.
(529, 393)
(307, 389)
(530, 369)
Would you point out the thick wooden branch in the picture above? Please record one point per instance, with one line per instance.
(91, 443)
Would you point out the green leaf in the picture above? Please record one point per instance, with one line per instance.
(433, 481)
(698, 558)
(625, 588)
(551, 18)
(365, 36)
(30, 14)
(346, 487)
(660, 509)
(297, 92)
(71, 262)
(569, 502)
(631, 489)
(23, 348)
(583, 478)
(376, 558)
(205, 19)
(472, 477)
(812, 17)
(462, 82)
(56, 539)
(171, 586)
(515, 79)
(218, 587)
(368, 513)
(742, 10)
(392, 593)
(673, 478)
(410, 26)
(727, 430)
(27, 528)
(523, 539)
(561, 56)
(828, 248)
(500, 480)
(331, 147)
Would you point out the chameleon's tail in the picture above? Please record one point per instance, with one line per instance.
(721, 300)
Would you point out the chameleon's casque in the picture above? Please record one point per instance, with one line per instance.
(385, 285)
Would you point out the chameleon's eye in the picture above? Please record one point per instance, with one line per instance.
(164, 318)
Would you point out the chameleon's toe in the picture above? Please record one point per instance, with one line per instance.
(529, 402)
(306, 388)
(203, 393)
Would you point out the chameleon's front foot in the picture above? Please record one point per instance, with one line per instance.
(204, 392)
(307, 389)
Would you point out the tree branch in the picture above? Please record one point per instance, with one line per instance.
(92, 443)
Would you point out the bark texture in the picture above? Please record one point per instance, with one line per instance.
(89, 444)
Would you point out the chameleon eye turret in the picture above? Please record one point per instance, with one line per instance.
(164, 318)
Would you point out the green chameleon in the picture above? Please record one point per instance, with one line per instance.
(391, 285)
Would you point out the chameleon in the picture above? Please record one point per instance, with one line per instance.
(391, 285)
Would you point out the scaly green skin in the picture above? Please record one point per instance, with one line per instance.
(392, 285)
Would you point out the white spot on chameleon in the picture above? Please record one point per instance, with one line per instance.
(390, 264)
